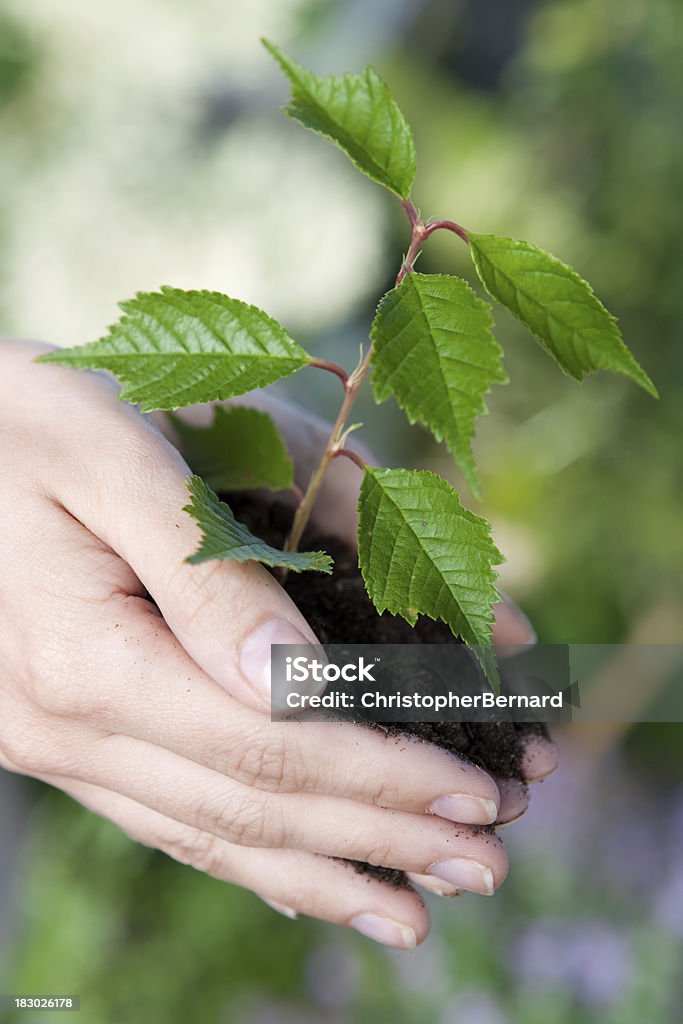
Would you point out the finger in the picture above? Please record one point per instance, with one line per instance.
(433, 885)
(293, 882)
(514, 800)
(471, 857)
(539, 759)
(158, 695)
(512, 630)
(225, 614)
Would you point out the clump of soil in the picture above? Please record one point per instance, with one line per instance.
(340, 612)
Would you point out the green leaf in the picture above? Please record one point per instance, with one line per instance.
(174, 348)
(240, 451)
(421, 552)
(434, 351)
(559, 307)
(357, 113)
(223, 537)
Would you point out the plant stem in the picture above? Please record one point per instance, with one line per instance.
(325, 364)
(353, 382)
(333, 447)
(411, 211)
(420, 232)
(350, 454)
(446, 225)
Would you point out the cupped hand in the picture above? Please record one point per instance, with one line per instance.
(139, 684)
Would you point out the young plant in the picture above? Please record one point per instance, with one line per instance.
(432, 349)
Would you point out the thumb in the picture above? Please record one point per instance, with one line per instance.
(225, 614)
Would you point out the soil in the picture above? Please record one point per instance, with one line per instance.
(339, 611)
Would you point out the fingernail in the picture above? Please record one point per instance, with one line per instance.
(509, 821)
(385, 930)
(468, 810)
(281, 909)
(464, 873)
(255, 654)
(435, 885)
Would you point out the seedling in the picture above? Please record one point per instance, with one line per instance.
(431, 348)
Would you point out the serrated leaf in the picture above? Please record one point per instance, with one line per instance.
(240, 451)
(560, 309)
(434, 351)
(223, 537)
(421, 552)
(357, 113)
(174, 348)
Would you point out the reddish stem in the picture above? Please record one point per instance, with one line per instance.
(411, 211)
(420, 232)
(416, 240)
(296, 493)
(446, 225)
(325, 364)
(354, 456)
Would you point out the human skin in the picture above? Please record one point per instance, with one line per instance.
(138, 683)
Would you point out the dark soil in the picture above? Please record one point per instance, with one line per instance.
(340, 612)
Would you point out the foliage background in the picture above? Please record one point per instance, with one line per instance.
(141, 144)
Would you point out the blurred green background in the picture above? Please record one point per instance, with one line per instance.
(141, 144)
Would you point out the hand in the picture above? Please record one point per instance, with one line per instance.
(336, 512)
(151, 712)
